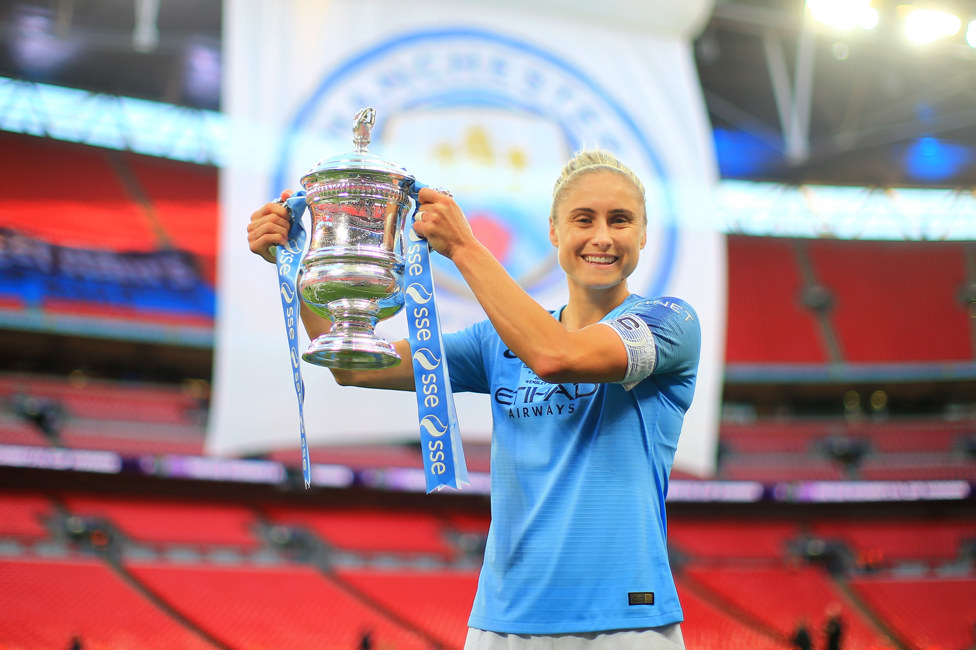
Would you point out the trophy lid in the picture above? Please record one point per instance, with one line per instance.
(359, 160)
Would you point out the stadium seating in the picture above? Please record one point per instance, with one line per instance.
(710, 625)
(23, 516)
(442, 610)
(16, 430)
(710, 539)
(779, 599)
(767, 321)
(891, 449)
(935, 540)
(370, 531)
(44, 603)
(183, 201)
(273, 607)
(130, 418)
(106, 400)
(85, 203)
(912, 434)
(133, 440)
(888, 295)
(743, 581)
(158, 521)
(782, 435)
(355, 456)
(928, 612)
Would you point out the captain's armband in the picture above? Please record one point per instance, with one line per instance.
(641, 349)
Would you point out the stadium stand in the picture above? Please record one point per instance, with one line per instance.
(716, 627)
(886, 293)
(932, 541)
(771, 325)
(149, 569)
(183, 201)
(780, 598)
(745, 582)
(107, 400)
(23, 516)
(272, 607)
(712, 539)
(88, 207)
(442, 611)
(930, 612)
(155, 521)
(356, 456)
(45, 602)
(371, 531)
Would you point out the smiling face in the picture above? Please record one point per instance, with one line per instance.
(598, 225)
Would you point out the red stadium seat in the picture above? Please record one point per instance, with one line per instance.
(890, 294)
(273, 607)
(731, 539)
(23, 514)
(371, 530)
(901, 539)
(709, 625)
(85, 203)
(170, 521)
(767, 321)
(438, 602)
(46, 602)
(926, 612)
(778, 598)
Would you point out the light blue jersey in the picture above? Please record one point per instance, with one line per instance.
(579, 473)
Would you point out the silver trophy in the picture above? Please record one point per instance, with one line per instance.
(352, 273)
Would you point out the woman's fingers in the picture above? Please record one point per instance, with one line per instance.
(268, 227)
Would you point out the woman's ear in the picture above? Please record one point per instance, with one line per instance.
(553, 236)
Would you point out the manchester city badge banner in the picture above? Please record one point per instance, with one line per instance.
(488, 102)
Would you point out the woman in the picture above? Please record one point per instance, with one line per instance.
(587, 406)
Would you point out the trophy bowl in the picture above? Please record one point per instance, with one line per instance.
(352, 273)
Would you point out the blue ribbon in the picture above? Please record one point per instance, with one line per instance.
(288, 260)
(440, 435)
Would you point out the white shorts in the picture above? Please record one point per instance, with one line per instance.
(667, 637)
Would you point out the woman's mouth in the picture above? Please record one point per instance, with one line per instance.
(599, 259)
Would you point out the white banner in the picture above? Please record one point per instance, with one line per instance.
(488, 102)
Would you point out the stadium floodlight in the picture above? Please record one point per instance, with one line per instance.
(971, 33)
(844, 14)
(928, 25)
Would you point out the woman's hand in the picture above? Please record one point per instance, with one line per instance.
(441, 222)
(268, 227)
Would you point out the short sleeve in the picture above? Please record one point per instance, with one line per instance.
(465, 359)
(660, 335)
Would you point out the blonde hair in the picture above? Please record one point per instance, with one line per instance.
(586, 162)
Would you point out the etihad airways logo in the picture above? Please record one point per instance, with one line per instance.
(543, 399)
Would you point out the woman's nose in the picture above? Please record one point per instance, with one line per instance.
(601, 234)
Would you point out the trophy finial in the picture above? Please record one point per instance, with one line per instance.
(362, 127)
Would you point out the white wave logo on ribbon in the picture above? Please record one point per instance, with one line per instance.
(418, 293)
(433, 427)
(426, 359)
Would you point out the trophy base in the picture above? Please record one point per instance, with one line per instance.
(351, 352)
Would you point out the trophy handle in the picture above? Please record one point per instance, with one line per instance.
(413, 187)
(414, 190)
